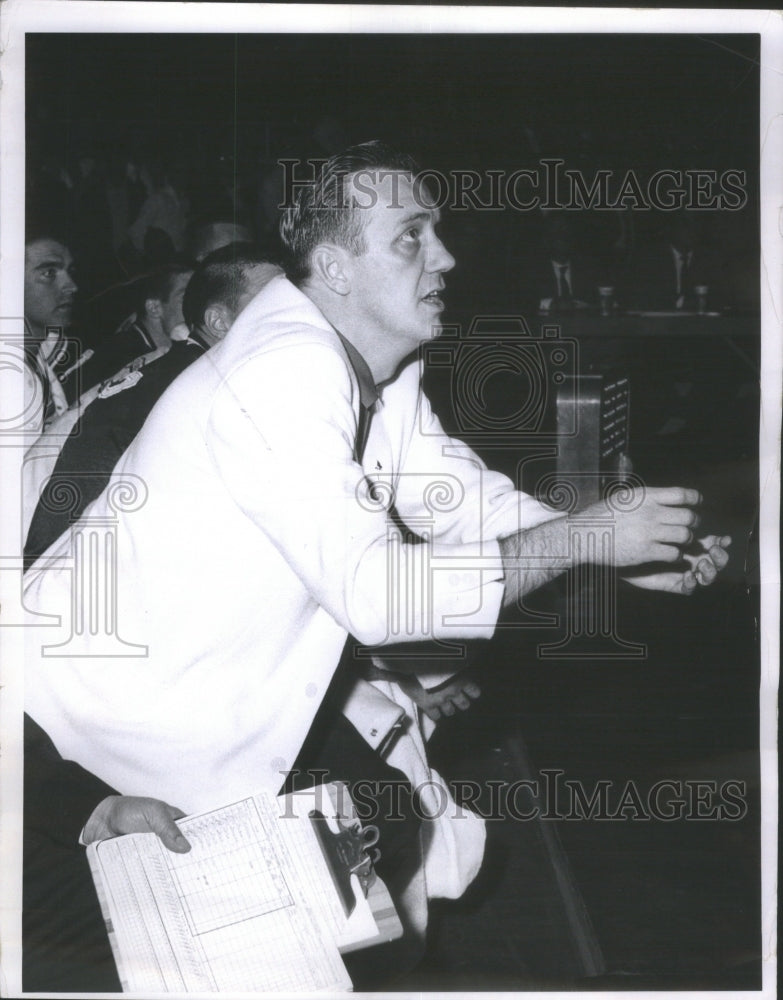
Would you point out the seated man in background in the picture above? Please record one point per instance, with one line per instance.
(218, 290)
(116, 361)
(564, 276)
(672, 263)
(49, 292)
(147, 334)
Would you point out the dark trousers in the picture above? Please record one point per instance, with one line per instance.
(64, 943)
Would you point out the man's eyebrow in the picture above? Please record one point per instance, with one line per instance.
(423, 215)
(54, 261)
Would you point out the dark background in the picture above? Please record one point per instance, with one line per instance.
(642, 101)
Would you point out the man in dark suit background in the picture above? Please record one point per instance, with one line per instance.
(672, 264)
(566, 272)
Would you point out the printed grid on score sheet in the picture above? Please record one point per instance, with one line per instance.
(249, 922)
(239, 881)
(238, 922)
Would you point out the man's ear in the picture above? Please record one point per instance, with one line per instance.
(329, 264)
(153, 307)
(218, 319)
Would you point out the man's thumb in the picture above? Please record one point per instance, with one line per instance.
(163, 824)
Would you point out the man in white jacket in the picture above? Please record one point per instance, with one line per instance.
(258, 540)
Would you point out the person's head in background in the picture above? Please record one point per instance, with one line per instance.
(49, 286)
(212, 233)
(159, 303)
(222, 285)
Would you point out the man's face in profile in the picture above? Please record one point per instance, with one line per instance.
(397, 280)
(49, 286)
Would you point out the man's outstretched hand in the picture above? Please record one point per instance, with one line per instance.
(119, 814)
(704, 560)
(650, 525)
(653, 525)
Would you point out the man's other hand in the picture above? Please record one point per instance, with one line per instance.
(455, 695)
(706, 558)
(119, 814)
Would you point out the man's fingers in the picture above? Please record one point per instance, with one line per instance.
(472, 690)
(675, 534)
(462, 701)
(161, 821)
(708, 541)
(716, 548)
(689, 582)
(705, 572)
(664, 553)
(719, 556)
(675, 496)
(678, 515)
(447, 708)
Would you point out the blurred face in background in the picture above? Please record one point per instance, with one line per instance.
(49, 286)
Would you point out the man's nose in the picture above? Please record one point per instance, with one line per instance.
(69, 285)
(439, 259)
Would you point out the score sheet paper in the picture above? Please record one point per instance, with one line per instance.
(234, 914)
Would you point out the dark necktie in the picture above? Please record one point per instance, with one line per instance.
(682, 278)
(362, 431)
(368, 397)
(684, 268)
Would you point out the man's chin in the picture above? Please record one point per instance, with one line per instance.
(62, 316)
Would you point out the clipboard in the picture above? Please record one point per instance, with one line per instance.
(254, 904)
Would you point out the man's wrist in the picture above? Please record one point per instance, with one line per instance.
(532, 557)
(98, 826)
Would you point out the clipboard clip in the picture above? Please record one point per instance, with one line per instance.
(350, 851)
